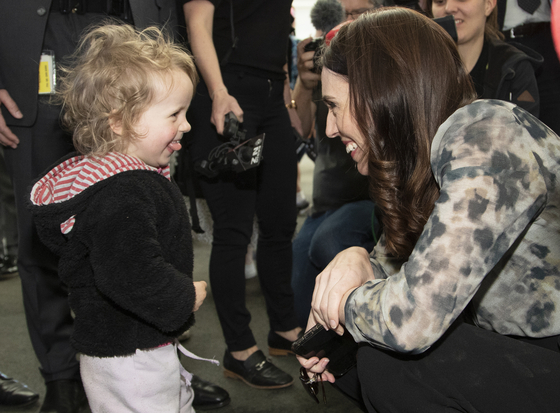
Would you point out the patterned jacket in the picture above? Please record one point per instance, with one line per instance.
(492, 240)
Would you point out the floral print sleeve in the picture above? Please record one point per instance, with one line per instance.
(492, 240)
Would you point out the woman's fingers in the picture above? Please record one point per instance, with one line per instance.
(347, 271)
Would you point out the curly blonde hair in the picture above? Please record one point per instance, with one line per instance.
(111, 80)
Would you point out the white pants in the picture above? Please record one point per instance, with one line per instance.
(146, 382)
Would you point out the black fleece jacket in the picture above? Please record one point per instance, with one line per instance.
(127, 262)
(510, 75)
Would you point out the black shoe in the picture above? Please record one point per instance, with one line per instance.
(208, 396)
(8, 265)
(14, 393)
(256, 371)
(64, 396)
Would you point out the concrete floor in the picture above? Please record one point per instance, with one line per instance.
(17, 358)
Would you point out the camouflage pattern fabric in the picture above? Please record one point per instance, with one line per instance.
(493, 238)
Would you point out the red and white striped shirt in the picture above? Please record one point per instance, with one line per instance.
(78, 173)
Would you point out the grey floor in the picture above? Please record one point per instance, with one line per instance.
(18, 359)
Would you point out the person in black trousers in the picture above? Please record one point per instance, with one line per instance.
(240, 51)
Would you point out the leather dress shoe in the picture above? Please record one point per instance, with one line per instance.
(15, 393)
(65, 396)
(257, 371)
(280, 346)
(208, 396)
(8, 266)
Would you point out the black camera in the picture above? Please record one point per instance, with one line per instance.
(315, 45)
(238, 154)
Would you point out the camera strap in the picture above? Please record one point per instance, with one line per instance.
(234, 39)
(191, 193)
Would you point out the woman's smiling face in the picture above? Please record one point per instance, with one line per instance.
(340, 121)
(470, 16)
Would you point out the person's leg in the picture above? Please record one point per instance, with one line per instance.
(276, 210)
(45, 299)
(147, 381)
(232, 213)
(8, 216)
(350, 225)
(468, 370)
(231, 199)
(318, 242)
(303, 270)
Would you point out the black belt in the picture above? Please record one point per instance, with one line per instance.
(526, 30)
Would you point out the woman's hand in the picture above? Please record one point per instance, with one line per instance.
(200, 291)
(222, 104)
(314, 364)
(349, 270)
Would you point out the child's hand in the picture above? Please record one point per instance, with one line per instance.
(200, 290)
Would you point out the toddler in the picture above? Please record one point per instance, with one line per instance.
(119, 224)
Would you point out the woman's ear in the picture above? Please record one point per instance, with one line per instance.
(115, 123)
(490, 5)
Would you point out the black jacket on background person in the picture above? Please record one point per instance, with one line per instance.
(510, 75)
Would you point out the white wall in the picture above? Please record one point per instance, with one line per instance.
(304, 28)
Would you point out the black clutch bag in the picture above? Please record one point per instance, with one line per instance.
(321, 343)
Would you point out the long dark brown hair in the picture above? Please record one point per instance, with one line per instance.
(406, 78)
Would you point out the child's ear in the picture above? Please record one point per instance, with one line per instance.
(116, 124)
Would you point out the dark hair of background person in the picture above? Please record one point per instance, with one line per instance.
(491, 29)
(326, 14)
(399, 97)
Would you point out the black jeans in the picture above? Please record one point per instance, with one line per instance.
(468, 370)
(268, 191)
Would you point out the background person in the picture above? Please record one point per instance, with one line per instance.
(499, 70)
(532, 29)
(455, 300)
(240, 50)
(342, 215)
(15, 393)
(8, 222)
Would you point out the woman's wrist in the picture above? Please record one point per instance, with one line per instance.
(342, 307)
(218, 90)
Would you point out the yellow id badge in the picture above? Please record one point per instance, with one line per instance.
(47, 73)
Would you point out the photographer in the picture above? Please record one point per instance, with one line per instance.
(342, 214)
(240, 51)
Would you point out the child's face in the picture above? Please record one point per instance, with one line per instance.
(162, 125)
